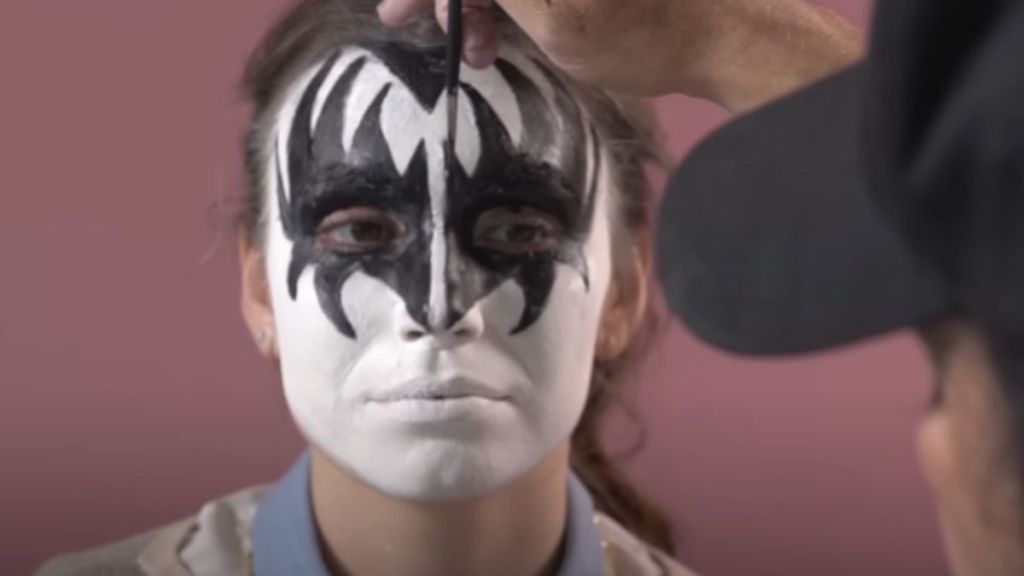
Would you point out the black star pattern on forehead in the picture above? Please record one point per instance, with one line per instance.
(323, 176)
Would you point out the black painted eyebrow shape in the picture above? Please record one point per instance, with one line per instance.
(323, 176)
(525, 181)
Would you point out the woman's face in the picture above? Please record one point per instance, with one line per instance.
(435, 340)
(965, 448)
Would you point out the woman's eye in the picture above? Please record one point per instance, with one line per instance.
(358, 230)
(517, 231)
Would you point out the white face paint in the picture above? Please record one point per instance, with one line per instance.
(449, 355)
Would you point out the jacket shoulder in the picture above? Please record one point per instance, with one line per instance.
(208, 543)
(117, 559)
(630, 556)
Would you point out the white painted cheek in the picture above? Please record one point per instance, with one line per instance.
(557, 352)
(316, 359)
(312, 351)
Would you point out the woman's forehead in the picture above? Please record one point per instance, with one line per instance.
(386, 99)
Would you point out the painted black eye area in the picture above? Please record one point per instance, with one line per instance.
(517, 231)
(359, 230)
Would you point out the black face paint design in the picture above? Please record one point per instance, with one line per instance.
(324, 178)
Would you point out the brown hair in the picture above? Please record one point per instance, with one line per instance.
(312, 29)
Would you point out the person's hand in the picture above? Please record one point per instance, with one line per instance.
(480, 36)
(629, 45)
(738, 53)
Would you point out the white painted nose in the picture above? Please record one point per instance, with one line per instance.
(467, 328)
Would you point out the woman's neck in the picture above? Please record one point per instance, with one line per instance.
(514, 531)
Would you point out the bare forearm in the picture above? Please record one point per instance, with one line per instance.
(738, 53)
(767, 49)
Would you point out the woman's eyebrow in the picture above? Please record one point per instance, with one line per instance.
(340, 181)
(532, 177)
(339, 187)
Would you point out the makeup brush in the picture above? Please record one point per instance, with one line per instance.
(454, 65)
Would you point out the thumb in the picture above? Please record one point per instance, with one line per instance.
(480, 35)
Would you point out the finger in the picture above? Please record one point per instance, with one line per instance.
(480, 42)
(396, 12)
(480, 35)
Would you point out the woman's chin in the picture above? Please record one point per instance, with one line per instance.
(434, 470)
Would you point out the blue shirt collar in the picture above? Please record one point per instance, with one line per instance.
(284, 540)
(583, 555)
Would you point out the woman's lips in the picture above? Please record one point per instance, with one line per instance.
(428, 401)
(434, 390)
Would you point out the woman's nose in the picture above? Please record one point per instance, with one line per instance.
(467, 327)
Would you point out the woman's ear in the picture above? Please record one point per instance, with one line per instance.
(625, 308)
(257, 309)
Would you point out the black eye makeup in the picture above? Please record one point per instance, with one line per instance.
(517, 231)
(360, 230)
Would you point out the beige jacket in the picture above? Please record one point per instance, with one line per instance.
(215, 542)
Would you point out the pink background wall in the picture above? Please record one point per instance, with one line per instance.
(131, 393)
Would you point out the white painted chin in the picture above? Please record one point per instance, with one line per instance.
(430, 450)
(434, 469)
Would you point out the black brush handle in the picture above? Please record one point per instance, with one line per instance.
(454, 65)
